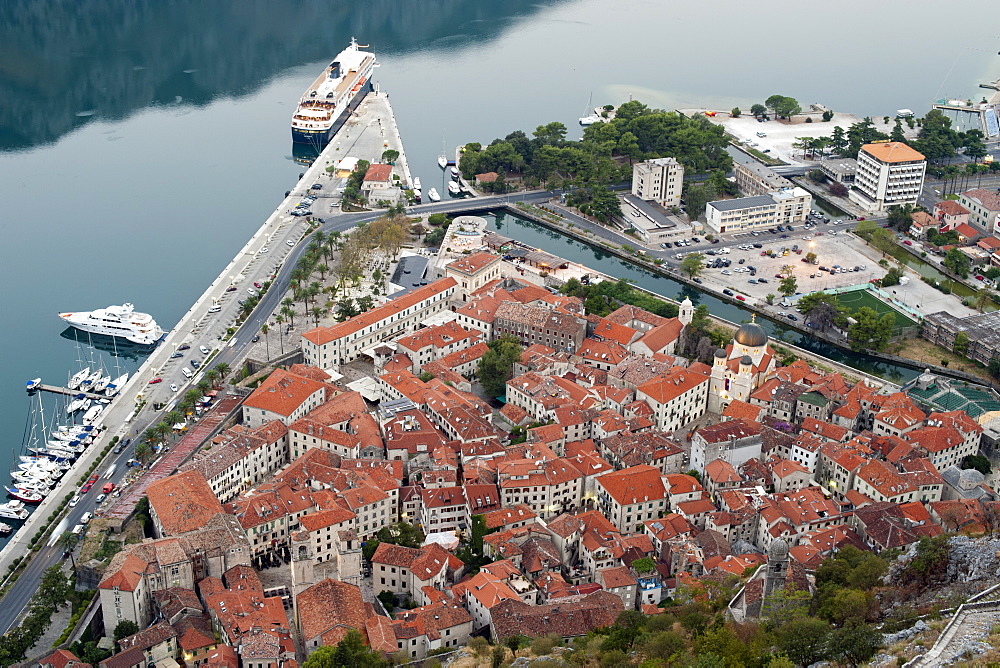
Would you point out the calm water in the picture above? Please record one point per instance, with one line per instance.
(141, 143)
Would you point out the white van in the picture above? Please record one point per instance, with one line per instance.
(86, 517)
(79, 529)
(188, 373)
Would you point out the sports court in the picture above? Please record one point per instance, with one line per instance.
(858, 298)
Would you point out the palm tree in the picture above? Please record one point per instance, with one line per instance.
(192, 396)
(223, 369)
(319, 236)
(204, 386)
(212, 376)
(317, 314)
(322, 269)
(264, 329)
(68, 542)
(172, 418)
(143, 452)
(281, 331)
(289, 313)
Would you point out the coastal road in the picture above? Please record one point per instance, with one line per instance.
(51, 553)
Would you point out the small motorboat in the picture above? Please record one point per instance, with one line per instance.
(5, 529)
(417, 196)
(442, 161)
(33, 384)
(416, 183)
(454, 173)
(433, 196)
(454, 189)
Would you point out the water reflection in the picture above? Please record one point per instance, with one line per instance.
(107, 344)
(67, 63)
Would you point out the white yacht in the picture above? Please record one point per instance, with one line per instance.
(102, 383)
(93, 413)
(13, 510)
(120, 321)
(115, 386)
(78, 378)
(433, 196)
(416, 183)
(78, 404)
(454, 189)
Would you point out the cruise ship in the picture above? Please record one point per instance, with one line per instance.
(120, 321)
(329, 101)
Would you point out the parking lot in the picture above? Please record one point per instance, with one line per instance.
(753, 267)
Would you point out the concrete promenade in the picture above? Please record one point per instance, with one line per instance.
(257, 260)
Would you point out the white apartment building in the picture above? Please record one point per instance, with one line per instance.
(984, 208)
(781, 207)
(889, 174)
(659, 180)
(753, 178)
(344, 342)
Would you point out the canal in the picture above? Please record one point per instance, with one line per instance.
(598, 259)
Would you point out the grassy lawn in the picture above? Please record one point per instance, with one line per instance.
(922, 350)
(860, 298)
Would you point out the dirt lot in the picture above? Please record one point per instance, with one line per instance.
(780, 135)
(923, 350)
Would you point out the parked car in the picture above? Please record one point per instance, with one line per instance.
(728, 292)
(907, 242)
(741, 298)
(154, 381)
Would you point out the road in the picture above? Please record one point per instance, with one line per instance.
(202, 328)
(51, 553)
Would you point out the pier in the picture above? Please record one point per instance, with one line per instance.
(68, 392)
(371, 130)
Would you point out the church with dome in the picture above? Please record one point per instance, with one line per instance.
(740, 368)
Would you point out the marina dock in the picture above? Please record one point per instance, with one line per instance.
(68, 392)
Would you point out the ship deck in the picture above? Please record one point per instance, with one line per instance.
(322, 87)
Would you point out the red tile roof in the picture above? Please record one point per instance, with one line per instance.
(634, 485)
(378, 172)
(323, 335)
(183, 502)
(283, 392)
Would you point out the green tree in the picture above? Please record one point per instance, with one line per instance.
(838, 140)
(957, 262)
(869, 331)
(892, 277)
(758, 110)
(865, 229)
(497, 365)
(125, 628)
(437, 219)
(961, 345)
(697, 196)
(811, 257)
(769, 298)
(351, 652)
(783, 106)
(883, 240)
(854, 644)
(804, 640)
(978, 462)
(693, 264)
(55, 587)
(735, 113)
(390, 156)
(644, 565)
(788, 286)
(388, 600)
